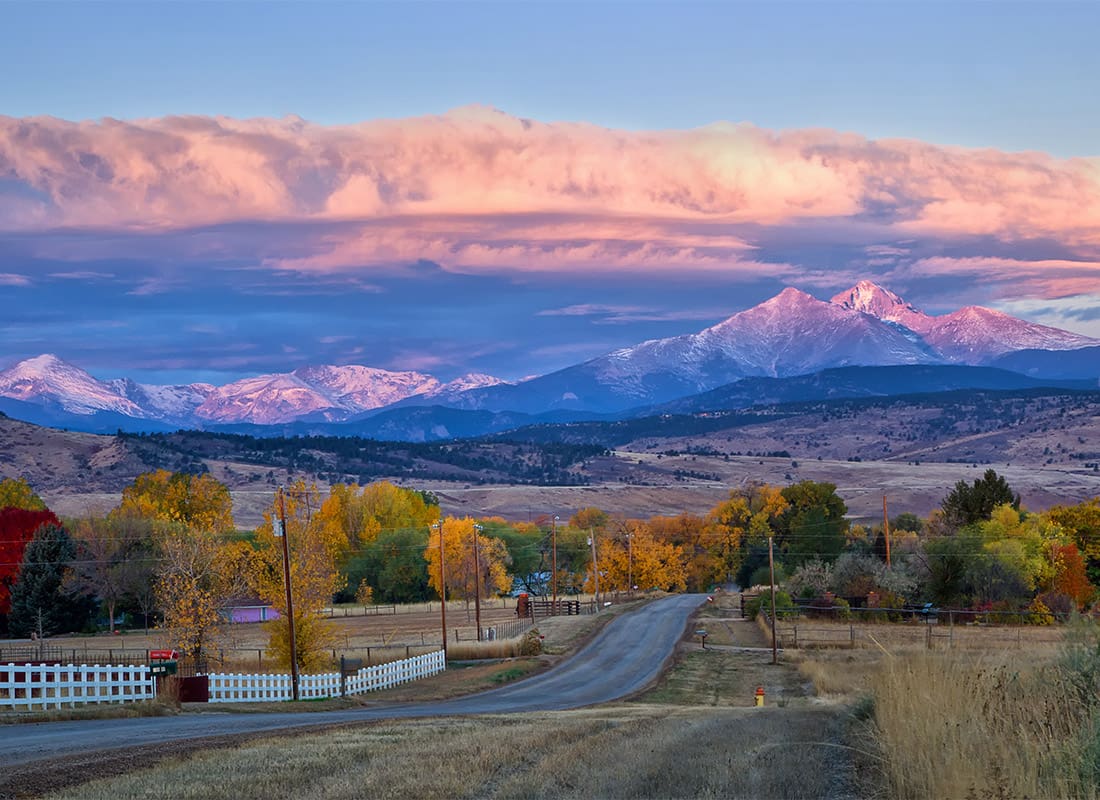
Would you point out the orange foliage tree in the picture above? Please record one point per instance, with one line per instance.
(1082, 523)
(692, 534)
(1070, 578)
(633, 556)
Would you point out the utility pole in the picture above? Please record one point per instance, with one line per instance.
(477, 581)
(886, 530)
(285, 536)
(771, 569)
(630, 561)
(595, 566)
(442, 586)
(554, 567)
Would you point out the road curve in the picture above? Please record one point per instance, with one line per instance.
(626, 656)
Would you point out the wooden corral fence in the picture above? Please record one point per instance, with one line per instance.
(33, 687)
(543, 607)
(74, 655)
(810, 633)
(412, 608)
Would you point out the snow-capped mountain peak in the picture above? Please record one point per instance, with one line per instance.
(49, 379)
(971, 335)
(467, 382)
(870, 298)
(975, 334)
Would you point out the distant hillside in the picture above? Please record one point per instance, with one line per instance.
(345, 459)
(941, 426)
(857, 382)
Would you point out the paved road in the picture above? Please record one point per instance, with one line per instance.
(627, 655)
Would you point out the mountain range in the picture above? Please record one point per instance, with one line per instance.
(792, 334)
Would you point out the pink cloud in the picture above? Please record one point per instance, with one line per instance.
(479, 189)
(1050, 278)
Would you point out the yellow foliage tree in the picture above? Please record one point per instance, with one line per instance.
(358, 514)
(314, 549)
(198, 502)
(197, 575)
(748, 514)
(691, 534)
(17, 493)
(635, 557)
(458, 551)
(1022, 541)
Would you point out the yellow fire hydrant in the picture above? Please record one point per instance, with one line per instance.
(759, 696)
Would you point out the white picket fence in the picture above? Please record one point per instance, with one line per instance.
(238, 688)
(33, 687)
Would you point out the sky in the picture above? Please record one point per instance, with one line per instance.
(206, 191)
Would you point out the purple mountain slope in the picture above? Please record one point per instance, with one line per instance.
(791, 334)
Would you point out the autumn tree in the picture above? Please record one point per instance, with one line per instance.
(637, 558)
(1081, 523)
(1070, 578)
(41, 600)
(748, 516)
(314, 549)
(17, 493)
(458, 551)
(114, 562)
(196, 577)
(694, 537)
(357, 516)
(198, 502)
(17, 527)
(1003, 559)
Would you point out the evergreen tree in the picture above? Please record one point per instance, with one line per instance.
(40, 599)
(967, 504)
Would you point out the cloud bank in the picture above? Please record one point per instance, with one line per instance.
(477, 188)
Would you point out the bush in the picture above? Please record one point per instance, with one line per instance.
(763, 602)
(531, 645)
(762, 575)
(812, 579)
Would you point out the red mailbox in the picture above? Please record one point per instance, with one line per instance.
(163, 655)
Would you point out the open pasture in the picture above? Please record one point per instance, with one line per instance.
(386, 630)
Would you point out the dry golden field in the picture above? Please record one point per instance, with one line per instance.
(886, 719)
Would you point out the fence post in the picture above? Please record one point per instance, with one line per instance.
(795, 636)
(852, 635)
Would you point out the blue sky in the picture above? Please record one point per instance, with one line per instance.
(274, 286)
(1011, 75)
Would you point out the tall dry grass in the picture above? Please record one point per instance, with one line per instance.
(611, 752)
(528, 644)
(1000, 726)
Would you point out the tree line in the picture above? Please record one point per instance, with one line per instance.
(170, 556)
